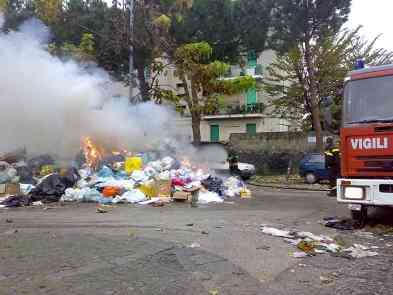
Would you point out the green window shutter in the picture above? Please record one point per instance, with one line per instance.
(251, 97)
(251, 59)
(214, 133)
(251, 129)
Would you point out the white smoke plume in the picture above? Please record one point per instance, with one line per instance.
(48, 105)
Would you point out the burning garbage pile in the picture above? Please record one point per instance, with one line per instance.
(113, 177)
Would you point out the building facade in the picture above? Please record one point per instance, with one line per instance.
(247, 113)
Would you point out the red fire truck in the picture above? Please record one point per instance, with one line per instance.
(367, 140)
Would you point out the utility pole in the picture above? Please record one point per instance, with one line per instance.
(135, 96)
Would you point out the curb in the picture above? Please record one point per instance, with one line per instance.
(288, 187)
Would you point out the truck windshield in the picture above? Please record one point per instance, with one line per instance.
(368, 100)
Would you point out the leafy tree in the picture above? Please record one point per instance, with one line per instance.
(48, 10)
(252, 22)
(83, 53)
(212, 21)
(202, 83)
(334, 58)
(16, 12)
(3, 4)
(302, 26)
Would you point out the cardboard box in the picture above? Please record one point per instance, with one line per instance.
(181, 196)
(165, 188)
(9, 189)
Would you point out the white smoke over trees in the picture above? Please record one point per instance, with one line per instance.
(48, 105)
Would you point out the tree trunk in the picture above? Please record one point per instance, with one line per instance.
(196, 128)
(143, 85)
(195, 115)
(316, 117)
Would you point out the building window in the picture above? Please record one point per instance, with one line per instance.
(251, 129)
(251, 59)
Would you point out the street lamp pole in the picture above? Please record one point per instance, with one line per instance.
(134, 91)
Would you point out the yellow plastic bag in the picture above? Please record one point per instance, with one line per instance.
(133, 163)
(245, 193)
(46, 170)
(150, 189)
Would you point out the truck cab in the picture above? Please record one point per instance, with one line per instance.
(367, 140)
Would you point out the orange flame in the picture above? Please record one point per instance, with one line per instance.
(93, 153)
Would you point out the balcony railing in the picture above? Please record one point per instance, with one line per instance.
(256, 108)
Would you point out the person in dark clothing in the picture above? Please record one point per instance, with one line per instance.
(332, 162)
(233, 161)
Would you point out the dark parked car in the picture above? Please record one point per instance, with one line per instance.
(312, 168)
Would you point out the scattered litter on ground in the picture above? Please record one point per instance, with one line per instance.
(194, 245)
(326, 280)
(298, 254)
(101, 210)
(360, 251)
(311, 244)
(341, 224)
(266, 248)
(276, 232)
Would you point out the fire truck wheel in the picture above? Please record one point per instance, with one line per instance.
(311, 178)
(360, 216)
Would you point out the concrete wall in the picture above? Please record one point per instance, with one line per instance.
(271, 152)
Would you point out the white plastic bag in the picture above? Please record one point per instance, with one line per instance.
(209, 197)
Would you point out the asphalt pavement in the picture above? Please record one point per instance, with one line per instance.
(176, 249)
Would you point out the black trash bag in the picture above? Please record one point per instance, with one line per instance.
(49, 189)
(71, 177)
(25, 175)
(36, 163)
(214, 184)
(17, 201)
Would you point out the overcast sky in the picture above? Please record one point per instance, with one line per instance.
(376, 17)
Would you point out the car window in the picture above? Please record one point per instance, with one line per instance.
(317, 158)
